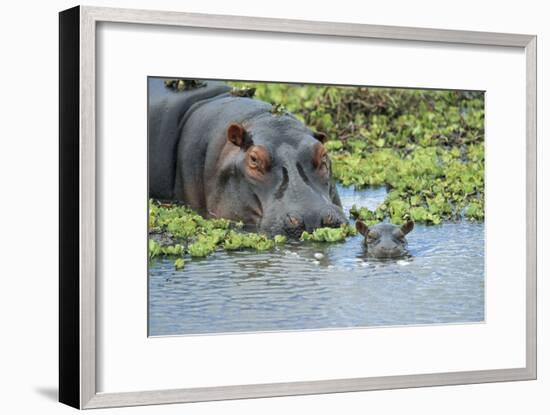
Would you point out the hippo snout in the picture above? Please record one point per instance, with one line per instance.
(295, 224)
(332, 219)
(389, 251)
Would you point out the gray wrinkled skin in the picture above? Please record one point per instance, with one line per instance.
(385, 240)
(209, 172)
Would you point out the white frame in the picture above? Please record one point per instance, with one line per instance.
(82, 22)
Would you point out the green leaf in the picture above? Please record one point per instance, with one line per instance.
(179, 263)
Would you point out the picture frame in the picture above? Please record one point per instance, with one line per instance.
(77, 215)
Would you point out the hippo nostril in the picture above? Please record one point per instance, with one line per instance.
(328, 220)
(293, 221)
(293, 227)
(331, 220)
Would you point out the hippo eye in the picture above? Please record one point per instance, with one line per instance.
(253, 161)
(257, 161)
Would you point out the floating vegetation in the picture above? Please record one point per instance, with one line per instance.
(183, 84)
(175, 230)
(370, 217)
(429, 185)
(243, 92)
(278, 109)
(239, 240)
(188, 233)
(329, 234)
(179, 263)
(202, 247)
(425, 146)
(156, 249)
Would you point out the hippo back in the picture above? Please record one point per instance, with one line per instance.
(167, 110)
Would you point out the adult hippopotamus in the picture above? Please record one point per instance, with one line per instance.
(242, 159)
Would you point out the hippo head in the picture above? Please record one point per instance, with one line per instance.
(279, 174)
(385, 240)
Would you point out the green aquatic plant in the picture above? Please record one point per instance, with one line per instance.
(176, 249)
(183, 84)
(239, 240)
(243, 92)
(474, 211)
(334, 145)
(182, 227)
(187, 232)
(329, 234)
(429, 184)
(264, 244)
(202, 247)
(370, 217)
(278, 109)
(156, 249)
(257, 241)
(234, 241)
(179, 263)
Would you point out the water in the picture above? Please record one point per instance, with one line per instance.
(317, 286)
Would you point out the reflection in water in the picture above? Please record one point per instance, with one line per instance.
(315, 285)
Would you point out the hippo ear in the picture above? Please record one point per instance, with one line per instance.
(361, 227)
(407, 227)
(236, 134)
(322, 137)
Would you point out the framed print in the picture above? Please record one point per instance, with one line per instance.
(256, 207)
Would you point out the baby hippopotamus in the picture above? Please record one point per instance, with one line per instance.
(385, 240)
